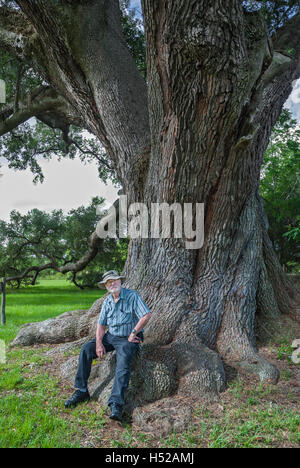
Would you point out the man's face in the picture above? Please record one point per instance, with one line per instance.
(113, 286)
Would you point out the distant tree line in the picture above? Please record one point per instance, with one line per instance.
(280, 190)
(41, 243)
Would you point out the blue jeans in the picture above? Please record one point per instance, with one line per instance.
(125, 351)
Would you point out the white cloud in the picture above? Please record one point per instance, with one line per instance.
(295, 96)
(68, 184)
(293, 102)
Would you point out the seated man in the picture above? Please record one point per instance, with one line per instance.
(125, 314)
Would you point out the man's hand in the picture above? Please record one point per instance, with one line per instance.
(133, 338)
(100, 350)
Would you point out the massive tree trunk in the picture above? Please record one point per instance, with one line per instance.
(216, 84)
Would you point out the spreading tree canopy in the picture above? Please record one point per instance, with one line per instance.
(191, 126)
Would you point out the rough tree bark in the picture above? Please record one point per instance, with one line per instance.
(216, 84)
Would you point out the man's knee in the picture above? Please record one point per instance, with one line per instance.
(130, 348)
(127, 352)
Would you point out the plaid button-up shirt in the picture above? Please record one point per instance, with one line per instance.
(122, 316)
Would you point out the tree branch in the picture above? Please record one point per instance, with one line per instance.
(98, 78)
(18, 86)
(94, 245)
(16, 33)
(288, 37)
(43, 103)
(28, 270)
(75, 282)
(26, 113)
(281, 66)
(94, 70)
(286, 44)
(100, 160)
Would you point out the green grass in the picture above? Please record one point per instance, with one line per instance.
(32, 412)
(29, 416)
(243, 427)
(46, 300)
(31, 409)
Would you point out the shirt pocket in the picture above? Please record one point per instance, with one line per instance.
(125, 317)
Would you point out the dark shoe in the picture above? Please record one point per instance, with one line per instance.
(116, 412)
(77, 397)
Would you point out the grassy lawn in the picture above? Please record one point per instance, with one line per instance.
(32, 413)
(46, 300)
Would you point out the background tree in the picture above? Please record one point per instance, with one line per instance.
(37, 137)
(40, 242)
(280, 190)
(218, 75)
(79, 226)
(275, 12)
(44, 135)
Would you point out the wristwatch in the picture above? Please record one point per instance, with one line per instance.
(133, 331)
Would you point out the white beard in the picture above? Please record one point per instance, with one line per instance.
(114, 289)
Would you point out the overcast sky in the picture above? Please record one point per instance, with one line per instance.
(293, 103)
(68, 184)
(136, 4)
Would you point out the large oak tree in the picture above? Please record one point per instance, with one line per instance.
(196, 130)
